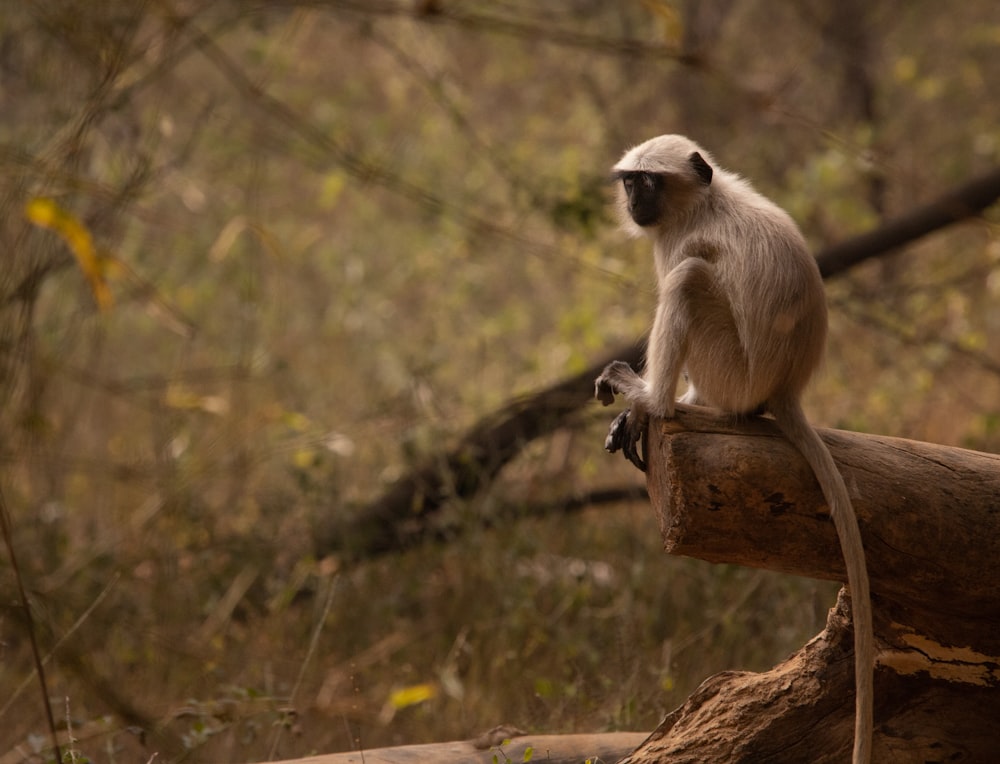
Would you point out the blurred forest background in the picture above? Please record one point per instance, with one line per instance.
(261, 260)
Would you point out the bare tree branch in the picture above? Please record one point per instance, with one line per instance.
(398, 518)
(960, 203)
(454, 14)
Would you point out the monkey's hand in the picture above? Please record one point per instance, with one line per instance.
(604, 391)
(614, 379)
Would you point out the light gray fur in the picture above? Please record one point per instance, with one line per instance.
(742, 312)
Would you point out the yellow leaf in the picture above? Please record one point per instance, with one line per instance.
(296, 420)
(905, 69)
(670, 18)
(304, 458)
(332, 187)
(412, 695)
(45, 213)
(180, 397)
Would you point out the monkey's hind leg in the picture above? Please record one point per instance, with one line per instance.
(696, 333)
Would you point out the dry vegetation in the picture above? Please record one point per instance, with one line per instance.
(329, 237)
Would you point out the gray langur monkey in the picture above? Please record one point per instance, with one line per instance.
(741, 313)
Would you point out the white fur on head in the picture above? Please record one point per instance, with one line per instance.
(665, 153)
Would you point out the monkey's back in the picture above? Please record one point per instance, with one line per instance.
(775, 292)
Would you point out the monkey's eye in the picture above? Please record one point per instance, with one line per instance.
(640, 181)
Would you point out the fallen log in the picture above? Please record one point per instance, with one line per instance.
(551, 749)
(733, 491)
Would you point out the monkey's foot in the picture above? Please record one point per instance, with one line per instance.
(625, 434)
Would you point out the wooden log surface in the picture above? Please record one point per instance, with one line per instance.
(551, 749)
(738, 492)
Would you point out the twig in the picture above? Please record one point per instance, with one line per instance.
(79, 622)
(313, 642)
(29, 622)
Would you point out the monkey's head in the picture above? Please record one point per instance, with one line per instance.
(661, 182)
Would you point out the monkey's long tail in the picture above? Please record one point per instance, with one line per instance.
(792, 422)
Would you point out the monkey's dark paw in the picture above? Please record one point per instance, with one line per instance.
(615, 440)
(605, 387)
(625, 433)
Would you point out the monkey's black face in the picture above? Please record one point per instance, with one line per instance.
(645, 192)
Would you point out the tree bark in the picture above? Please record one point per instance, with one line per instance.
(736, 491)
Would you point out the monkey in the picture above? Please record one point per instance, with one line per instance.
(741, 314)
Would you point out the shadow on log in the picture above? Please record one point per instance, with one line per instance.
(737, 492)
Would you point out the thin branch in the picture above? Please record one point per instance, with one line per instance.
(29, 620)
(310, 652)
(276, 109)
(577, 502)
(69, 633)
(397, 540)
(435, 87)
(454, 14)
(906, 334)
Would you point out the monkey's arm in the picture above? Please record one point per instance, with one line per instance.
(629, 427)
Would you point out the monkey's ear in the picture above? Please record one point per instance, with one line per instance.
(701, 167)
